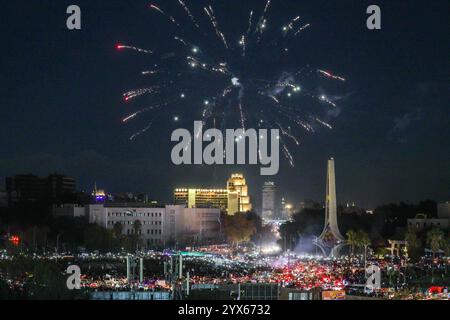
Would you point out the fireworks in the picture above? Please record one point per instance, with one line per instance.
(233, 80)
(330, 75)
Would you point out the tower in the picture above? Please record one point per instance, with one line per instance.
(330, 240)
(268, 201)
(238, 198)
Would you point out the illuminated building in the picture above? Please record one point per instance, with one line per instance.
(268, 200)
(287, 210)
(238, 198)
(98, 194)
(233, 199)
(159, 226)
(202, 198)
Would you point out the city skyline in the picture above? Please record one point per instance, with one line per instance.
(390, 137)
(224, 151)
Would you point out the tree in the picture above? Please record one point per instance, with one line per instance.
(117, 230)
(352, 240)
(413, 244)
(238, 228)
(98, 238)
(357, 239)
(435, 239)
(363, 238)
(49, 283)
(136, 236)
(447, 247)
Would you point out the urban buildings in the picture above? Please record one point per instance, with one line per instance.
(287, 210)
(268, 201)
(238, 197)
(444, 210)
(159, 226)
(68, 210)
(422, 221)
(28, 187)
(99, 195)
(309, 204)
(234, 198)
(202, 198)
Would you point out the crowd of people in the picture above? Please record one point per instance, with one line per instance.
(221, 265)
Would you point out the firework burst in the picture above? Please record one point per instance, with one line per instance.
(233, 79)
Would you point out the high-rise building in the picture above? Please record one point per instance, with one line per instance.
(59, 185)
(234, 198)
(202, 198)
(238, 197)
(24, 187)
(28, 187)
(268, 200)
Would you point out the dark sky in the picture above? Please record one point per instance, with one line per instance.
(61, 104)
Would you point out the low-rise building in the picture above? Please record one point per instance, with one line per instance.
(421, 222)
(159, 226)
(69, 210)
(444, 210)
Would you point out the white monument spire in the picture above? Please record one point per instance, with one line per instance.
(330, 240)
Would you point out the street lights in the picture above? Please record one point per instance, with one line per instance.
(57, 242)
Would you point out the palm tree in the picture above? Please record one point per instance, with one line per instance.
(363, 242)
(352, 240)
(435, 239)
(413, 243)
(363, 238)
(117, 230)
(137, 225)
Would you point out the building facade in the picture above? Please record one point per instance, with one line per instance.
(268, 201)
(238, 196)
(28, 187)
(68, 210)
(422, 222)
(444, 210)
(159, 226)
(202, 198)
(234, 198)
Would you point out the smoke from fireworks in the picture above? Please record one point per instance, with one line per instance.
(234, 78)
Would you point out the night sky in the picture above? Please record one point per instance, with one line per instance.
(61, 103)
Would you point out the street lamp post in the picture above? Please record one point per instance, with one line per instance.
(365, 256)
(57, 242)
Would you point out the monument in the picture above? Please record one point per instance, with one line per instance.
(330, 240)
